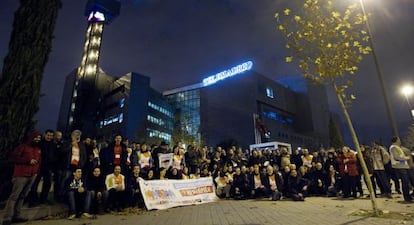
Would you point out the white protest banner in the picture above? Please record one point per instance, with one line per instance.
(165, 160)
(164, 194)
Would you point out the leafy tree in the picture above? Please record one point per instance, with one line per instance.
(29, 48)
(180, 132)
(328, 42)
(335, 137)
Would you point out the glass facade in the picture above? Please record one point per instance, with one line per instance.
(187, 112)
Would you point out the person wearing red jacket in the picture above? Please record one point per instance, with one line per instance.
(27, 164)
(349, 171)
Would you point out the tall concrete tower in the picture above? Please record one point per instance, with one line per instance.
(86, 91)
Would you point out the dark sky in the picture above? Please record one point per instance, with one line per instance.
(180, 42)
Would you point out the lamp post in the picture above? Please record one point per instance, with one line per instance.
(407, 90)
(380, 77)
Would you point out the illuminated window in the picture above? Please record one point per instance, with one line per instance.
(159, 134)
(278, 117)
(112, 119)
(160, 109)
(120, 118)
(122, 103)
(155, 120)
(269, 92)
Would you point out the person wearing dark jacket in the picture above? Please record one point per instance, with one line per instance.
(79, 198)
(256, 183)
(48, 148)
(97, 188)
(131, 159)
(115, 154)
(273, 183)
(192, 158)
(240, 185)
(27, 159)
(319, 181)
(58, 170)
(295, 188)
(134, 194)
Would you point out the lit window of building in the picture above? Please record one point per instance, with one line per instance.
(269, 92)
(122, 103)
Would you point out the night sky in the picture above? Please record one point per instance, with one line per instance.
(177, 43)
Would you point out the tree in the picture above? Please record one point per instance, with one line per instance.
(328, 43)
(29, 48)
(335, 137)
(180, 131)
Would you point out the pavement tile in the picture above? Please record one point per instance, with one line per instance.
(314, 210)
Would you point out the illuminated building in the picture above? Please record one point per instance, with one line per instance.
(222, 107)
(135, 110)
(101, 105)
(86, 88)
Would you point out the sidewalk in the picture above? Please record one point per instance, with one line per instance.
(314, 210)
(41, 211)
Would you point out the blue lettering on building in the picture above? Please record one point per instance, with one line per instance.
(228, 73)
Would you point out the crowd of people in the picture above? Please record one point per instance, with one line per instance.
(97, 178)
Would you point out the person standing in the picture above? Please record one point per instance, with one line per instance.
(400, 166)
(162, 149)
(349, 172)
(115, 154)
(58, 170)
(73, 156)
(27, 158)
(380, 158)
(48, 148)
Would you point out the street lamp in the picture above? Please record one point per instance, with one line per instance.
(380, 77)
(407, 90)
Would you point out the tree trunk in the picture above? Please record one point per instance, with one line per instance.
(22, 73)
(360, 156)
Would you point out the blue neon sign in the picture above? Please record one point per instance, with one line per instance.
(228, 73)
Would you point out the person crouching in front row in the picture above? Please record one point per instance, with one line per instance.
(99, 194)
(79, 198)
(223, 185)
(273, 183)
(115, 184)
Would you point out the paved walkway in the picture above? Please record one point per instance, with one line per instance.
(315, 210)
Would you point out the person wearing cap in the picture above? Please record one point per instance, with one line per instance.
(27, 164)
